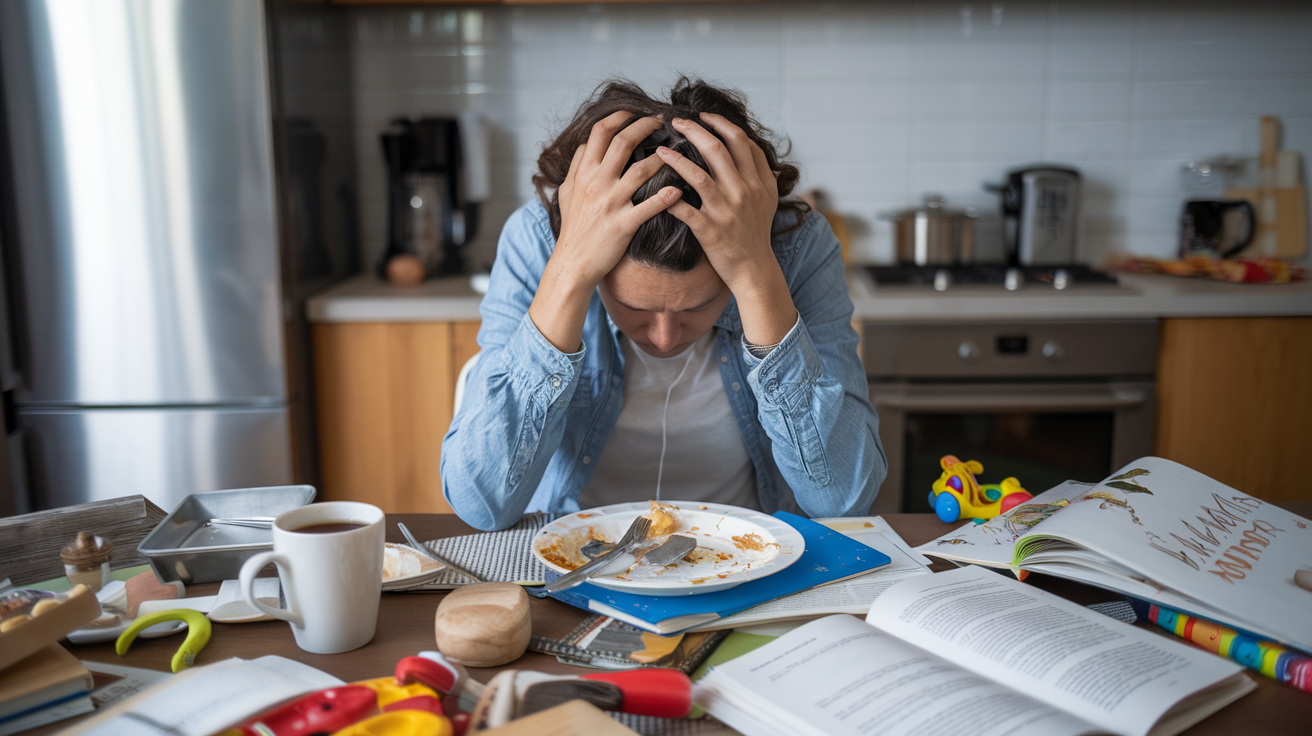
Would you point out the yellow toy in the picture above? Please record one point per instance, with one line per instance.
(957, 495)
(198, 634)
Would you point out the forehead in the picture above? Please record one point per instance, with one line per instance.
(657, 290)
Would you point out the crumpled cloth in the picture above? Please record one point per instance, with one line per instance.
(1239, 271)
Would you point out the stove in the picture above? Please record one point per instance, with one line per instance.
(1010, 278)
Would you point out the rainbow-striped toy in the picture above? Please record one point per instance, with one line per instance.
(1270, 659)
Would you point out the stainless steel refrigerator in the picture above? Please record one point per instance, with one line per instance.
(149, 304)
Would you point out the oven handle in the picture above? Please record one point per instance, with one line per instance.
(1114, 399)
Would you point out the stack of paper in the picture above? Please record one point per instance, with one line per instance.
(42, 688)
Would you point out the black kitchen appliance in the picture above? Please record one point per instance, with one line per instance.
(1040, 214)
(436, 177)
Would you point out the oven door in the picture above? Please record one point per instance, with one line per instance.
(1038, 432)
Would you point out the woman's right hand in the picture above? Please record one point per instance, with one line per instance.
(597, 222)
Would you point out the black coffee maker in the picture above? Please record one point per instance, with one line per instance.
(432, 212)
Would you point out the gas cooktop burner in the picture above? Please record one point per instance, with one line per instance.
(1011, 278)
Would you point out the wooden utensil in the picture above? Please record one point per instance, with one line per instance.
(1280, 200)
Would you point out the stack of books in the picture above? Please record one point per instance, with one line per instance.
(42, 688)
(830, 556)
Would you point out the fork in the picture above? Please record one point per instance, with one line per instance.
(632, 538)
(430, 554)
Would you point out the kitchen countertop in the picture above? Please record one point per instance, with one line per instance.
(369, 299)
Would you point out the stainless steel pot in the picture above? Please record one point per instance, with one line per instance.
(933, 235)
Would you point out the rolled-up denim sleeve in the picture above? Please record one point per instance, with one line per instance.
(812, 399)
(512, 413)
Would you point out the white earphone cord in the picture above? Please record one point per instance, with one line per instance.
(660, 467)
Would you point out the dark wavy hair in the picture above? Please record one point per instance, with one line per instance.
(664, 241)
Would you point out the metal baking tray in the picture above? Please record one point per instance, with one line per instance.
(186, 548)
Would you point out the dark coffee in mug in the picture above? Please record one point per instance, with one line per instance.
(327, 527)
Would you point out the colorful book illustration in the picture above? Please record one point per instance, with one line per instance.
(829, 556)
(1160, 532)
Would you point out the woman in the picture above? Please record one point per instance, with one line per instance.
(662, 322)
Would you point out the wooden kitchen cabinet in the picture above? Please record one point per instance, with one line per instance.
(385, 396)
(1234, 401)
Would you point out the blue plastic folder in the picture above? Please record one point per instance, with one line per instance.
(829, 556)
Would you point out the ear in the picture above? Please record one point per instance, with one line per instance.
(975, 466)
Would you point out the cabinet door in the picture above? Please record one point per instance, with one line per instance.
(385, 394)
(1234, 401)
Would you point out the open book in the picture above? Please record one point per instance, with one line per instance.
(970, 651)
(202, 700)
(1160, 532)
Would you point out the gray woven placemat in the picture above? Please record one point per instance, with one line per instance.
(505, 556)
(653, 726)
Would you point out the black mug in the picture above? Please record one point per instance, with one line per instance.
(1219, 228)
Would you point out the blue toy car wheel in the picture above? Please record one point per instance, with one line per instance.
(947, 507)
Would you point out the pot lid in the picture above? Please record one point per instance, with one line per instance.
(934, 207)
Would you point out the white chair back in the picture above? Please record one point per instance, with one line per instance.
(461, 378)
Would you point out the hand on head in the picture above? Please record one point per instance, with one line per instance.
(602, 202)
(598, 216)
(739, 196)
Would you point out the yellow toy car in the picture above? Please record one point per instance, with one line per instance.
(957, 495)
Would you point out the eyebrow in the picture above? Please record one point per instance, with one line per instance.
(689, 309)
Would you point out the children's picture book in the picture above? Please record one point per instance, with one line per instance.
(970, 651)
(1162, 533)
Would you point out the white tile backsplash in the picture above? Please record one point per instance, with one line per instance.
(881, 101)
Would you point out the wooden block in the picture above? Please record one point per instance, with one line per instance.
(48, 626)
(483, 625)
(1291, 222)
(574, 718)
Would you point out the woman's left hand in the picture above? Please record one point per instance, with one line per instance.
(739, 199)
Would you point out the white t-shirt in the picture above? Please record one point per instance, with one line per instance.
(705, 458)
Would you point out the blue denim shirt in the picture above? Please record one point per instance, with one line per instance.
(533, 420)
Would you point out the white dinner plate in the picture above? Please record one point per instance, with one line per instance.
(408, 559)
(734, 545)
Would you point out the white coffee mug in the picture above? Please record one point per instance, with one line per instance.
(332, 579)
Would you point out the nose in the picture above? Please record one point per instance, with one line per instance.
(664, 332)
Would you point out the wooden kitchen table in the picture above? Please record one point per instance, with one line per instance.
(405, 627)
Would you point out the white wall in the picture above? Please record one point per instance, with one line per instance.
(882, 101)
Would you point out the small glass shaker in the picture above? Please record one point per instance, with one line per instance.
(86, 560)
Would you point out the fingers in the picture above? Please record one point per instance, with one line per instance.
(688, 215)
(717, 156)
(567, 186)
(691, 173)
(638, 174)
(654, 205)
(767, 176)
(739, 145)
(601, 134)
(621, 146)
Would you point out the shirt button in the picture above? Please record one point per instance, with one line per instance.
(555, 381)
(587, 459)
(724, 359)
(773, 386)
(736, 386)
